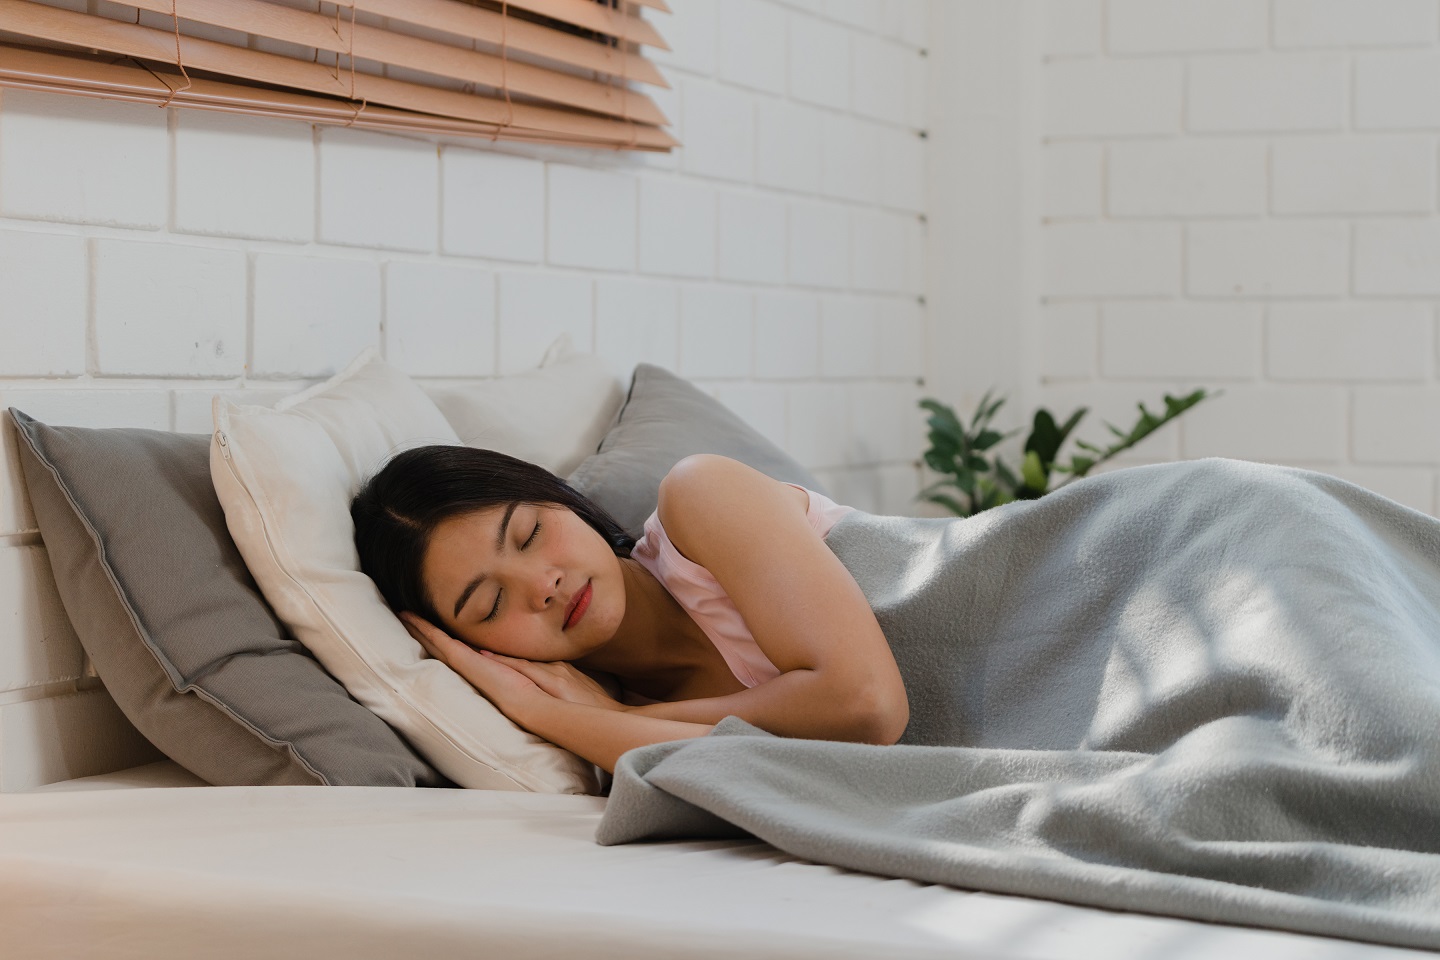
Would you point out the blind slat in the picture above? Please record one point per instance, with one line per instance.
(86, 76)
(145, 43)
(373, 43)
(481, 24)
(592, 16)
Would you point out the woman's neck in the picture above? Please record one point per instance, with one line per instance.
(656, 640)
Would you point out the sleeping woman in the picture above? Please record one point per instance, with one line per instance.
(1147, 690)
(730, 604)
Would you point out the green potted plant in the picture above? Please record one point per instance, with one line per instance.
(962, 455)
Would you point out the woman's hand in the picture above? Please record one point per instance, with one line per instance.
(507, 688)
(509, 682)
(563, 681)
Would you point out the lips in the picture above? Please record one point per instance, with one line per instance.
(578, 606)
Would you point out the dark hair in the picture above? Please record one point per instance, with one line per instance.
(397, 510)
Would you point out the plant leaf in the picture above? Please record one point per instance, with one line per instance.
(980, 413)
(939, 462)
(1045, 437)
(986, 440)
(943, 421)
(1034, 472)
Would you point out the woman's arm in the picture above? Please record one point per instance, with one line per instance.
(597, 734)
(798, 703)
(838, 679)
(516, 687)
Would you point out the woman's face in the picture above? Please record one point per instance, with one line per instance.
(525, 580)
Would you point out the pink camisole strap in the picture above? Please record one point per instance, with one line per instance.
(707, 603)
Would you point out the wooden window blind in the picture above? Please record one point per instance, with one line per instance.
(541, 71)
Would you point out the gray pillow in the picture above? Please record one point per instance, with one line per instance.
(663, 420)
(175, 626)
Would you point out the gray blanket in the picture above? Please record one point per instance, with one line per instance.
(1207, 689)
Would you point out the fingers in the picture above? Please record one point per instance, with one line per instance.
(423, 634)
(443, 647)
(439, 644)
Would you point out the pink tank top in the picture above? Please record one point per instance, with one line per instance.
(707, 603)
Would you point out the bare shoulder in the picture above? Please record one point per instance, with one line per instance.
(801, 605)
(704, 487)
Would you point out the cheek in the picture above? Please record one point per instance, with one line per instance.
(616, 605)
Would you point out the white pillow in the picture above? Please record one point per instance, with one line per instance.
(285, 477)
(554, 416)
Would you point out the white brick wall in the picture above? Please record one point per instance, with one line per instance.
(492, 205)
(311, 315)
(83, 161)
(1267, 92)
(1397, 257)
(535, 308)
(677, 227)
(1074, 179)
(222, 163)
(44, 287)
(849, 337)
(715, 331)
(1186, 178)
(440, 319)
(1093, 97)
(166, 311)
(591, 219)
(787, 335)
(1182, 341)
(1180, 26)
(637, 321)
(377, 190)
(1386, 86)
(751, 238)
(1341, 23)
(1096, 259)
(1374, 175)
(1242, 194)
(819, 66)
(752, 45)
(819, 245)
(151, 258)
(1269, 258)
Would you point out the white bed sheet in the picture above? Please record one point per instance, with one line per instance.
(353, 872)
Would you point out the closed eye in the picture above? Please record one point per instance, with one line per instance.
(495, 610)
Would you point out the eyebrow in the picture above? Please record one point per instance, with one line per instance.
(499, 547)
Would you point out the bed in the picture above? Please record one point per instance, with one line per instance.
(147, 863)
(110, 850)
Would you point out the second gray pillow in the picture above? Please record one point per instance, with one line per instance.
(664, 419)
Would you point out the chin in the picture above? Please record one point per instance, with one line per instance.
(595, 635)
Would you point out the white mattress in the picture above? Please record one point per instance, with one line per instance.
(353, 872)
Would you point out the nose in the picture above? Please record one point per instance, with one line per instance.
(545, 591)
